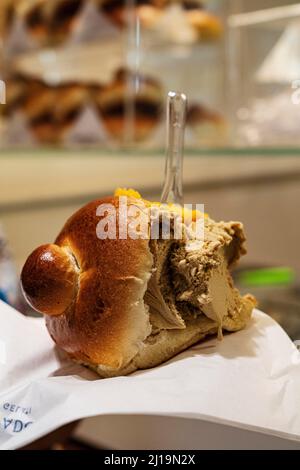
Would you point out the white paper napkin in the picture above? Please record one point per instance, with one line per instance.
(251, 379)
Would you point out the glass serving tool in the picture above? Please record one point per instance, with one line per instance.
(176, 119)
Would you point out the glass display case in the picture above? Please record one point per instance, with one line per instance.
(263, 65)
(97, 72)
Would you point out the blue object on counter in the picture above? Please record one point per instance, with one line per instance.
(3, 297)
(9, 282)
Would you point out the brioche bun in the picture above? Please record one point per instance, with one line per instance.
(95, 294)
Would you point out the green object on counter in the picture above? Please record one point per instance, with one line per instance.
(267, 277)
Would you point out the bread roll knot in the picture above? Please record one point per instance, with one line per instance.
(50, 278)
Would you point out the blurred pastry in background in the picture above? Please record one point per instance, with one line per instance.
(207, 25)
(16, 93)
(63, 16)
(208, 125)
(48, 111)
(70, 101)
(119, 11)
(33, 15)
(39, 110)
(7, 15)
(51, 111)
(130, 116)
(50, 21)
(182, 22)
(149, 15)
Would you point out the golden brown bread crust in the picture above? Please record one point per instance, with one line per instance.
(49, 279)
(107, 321)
